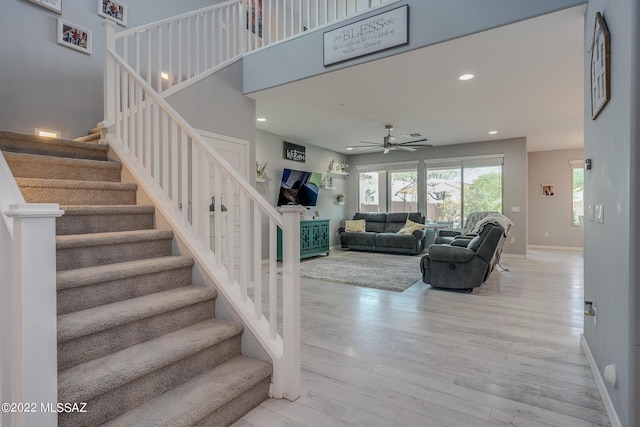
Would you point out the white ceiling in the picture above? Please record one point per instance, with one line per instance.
(528, 82)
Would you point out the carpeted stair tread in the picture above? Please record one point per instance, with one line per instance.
(110, 238)
(48, 167)
(76, 192)
(69, 279)
(92, 320)
(88, 250)
(88, 287)
(80, 210)
(83, 219)
(33, 144)
(90, 379)
(186, 404)
(74, 184)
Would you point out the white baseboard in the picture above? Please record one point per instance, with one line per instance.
(559, 248)
(602, 388)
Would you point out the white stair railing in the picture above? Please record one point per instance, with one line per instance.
(28, 354)
(206, 200)
(213, 209)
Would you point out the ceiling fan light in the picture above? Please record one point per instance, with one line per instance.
(466, 77)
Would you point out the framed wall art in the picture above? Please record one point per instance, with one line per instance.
(548, 190)
(600, 66)
(74, 36)
(113, 10)
(55, 5)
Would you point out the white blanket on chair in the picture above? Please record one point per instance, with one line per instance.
(493, 218)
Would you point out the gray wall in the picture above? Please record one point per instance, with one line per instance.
(269, 148)
(552, 215)
(514, 178)
(430, 22)
(610, 250)
(47, 85)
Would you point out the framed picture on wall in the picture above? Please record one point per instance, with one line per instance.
(55, 5)
(600, 66)
(113, 10)
(548, 190)
(74, 36)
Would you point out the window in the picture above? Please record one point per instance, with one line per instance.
(390, 187)
(404, 191)
(577, 186)
(457, 187)
(369, 194)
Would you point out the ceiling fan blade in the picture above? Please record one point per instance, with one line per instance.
(405, 148)
(364, 146)
(386, 150)
(413, 142)
(369, 142)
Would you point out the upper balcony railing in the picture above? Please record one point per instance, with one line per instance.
(188, 47)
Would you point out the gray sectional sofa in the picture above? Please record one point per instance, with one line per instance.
(381, 234)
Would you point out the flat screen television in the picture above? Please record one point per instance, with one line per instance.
(299, 188)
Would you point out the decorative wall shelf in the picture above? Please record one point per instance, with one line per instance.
(338, 173)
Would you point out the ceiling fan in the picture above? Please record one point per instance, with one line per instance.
(389, 143)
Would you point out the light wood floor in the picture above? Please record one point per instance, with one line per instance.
(507, 354)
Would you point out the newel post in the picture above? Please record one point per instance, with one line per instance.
(34, 311)
(291, 365)
(109, 75)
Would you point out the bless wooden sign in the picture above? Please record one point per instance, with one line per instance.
(373, 34)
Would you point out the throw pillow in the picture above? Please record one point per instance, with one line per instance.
(355, 225)
(410, 226)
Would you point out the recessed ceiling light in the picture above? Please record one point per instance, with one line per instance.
(412, 135)
(349, 148)
(493, 132)
(466, 77)
(261, 119)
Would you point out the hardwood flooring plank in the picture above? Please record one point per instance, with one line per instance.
(507, 354)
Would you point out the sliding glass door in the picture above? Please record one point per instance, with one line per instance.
(457, 187)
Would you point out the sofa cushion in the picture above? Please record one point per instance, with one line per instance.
(475, 243)
(375, 221)
(395, 240)
(358, 239)
(409, 227)
(355, 226)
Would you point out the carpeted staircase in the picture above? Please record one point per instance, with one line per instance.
(136, 340)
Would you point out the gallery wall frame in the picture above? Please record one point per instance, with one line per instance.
(600, 66)
(113, 10)
(55, 5)
(74, 36)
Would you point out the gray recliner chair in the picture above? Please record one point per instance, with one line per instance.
(464, 263)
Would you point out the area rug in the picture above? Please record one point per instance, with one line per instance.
(371, 270)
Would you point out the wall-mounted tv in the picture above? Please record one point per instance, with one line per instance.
(299, 188)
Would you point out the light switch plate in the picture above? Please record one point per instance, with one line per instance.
(599, 213)
(515, 209)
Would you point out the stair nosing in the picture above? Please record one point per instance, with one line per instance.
(75, 278)
(143, 358)
(105, 164)
(87, 210)
(108, 316)
(52, 141)
(70, 241)
(74, 184)
(203, 384)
